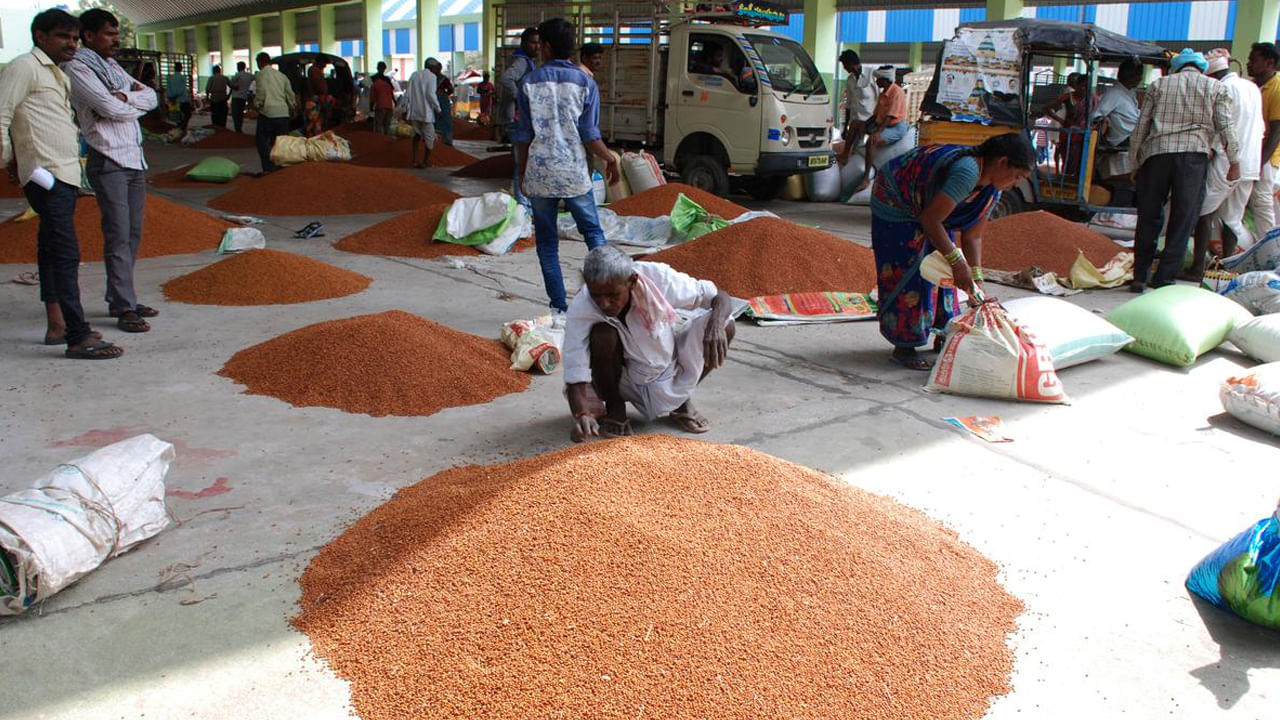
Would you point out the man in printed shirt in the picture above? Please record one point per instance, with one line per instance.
(37, 130)
(1181, 116)
(558, 121)
(108, 104)
(624, 341)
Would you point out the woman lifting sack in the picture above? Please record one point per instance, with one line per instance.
(920, 203)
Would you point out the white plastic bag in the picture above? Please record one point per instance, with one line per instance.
(1072, 334)
(989, 355)
(824, 185)
(78, 516)
(240, 239)
(642, 171)
(519, 225)
(534, 344)
(1259, 338)
(473, 214)
(1257, 291)
(1263, 256)
(1254, 397)
(621, 229)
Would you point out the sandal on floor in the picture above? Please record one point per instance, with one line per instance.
(27, 278)
(98, 350)
(914, 362)
(142, 310)
(611, 428)
(312, 230)
(693, 422)
(132, 322)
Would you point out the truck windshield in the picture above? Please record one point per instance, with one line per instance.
(790, 68)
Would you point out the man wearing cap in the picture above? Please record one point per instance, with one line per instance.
(1183, 116)
(859, 102)
(888, 122)
(1225, 201)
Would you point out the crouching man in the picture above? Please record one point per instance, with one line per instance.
(624, 339)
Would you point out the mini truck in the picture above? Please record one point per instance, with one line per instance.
(709, 90)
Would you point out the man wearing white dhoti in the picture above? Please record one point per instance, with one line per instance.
(624, 339)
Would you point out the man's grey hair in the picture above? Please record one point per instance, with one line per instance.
(607, 265)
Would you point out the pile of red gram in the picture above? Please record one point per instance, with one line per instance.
(409, 235)
(331, 188)
(1016, 242)
(371, 149)
(494, 167)
(770, 256)
(659, 201)
(264, 277)
(392, 363)
(168, 229)
(656, 577)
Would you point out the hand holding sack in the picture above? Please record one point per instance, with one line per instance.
(988, 354)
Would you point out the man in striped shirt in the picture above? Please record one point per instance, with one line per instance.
(37, 131)
(108, 103)
(1182, 115)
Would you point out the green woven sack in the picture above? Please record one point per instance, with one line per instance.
(1177, 323)
(214, 170)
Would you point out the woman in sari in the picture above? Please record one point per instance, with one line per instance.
(919, 204)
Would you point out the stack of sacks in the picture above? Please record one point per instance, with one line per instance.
(1177, 323)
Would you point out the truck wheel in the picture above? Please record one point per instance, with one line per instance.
(705, 173)
(1010, 203)
(765, 188)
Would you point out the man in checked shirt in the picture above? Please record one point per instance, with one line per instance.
(1170, 146)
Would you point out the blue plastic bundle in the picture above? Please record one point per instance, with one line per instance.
(1244, 574)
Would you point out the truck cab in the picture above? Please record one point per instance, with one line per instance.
(742, 100)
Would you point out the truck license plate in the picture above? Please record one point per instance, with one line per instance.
(818, 160)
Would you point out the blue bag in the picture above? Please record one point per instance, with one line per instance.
(1242, 576)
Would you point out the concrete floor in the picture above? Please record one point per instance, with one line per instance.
(1095, 512)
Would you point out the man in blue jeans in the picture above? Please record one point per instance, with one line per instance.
(40, 146)
(558, 122)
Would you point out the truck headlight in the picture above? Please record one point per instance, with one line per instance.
(788, 134)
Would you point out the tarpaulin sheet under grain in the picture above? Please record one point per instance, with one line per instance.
(168, 229)
(656, 577)
(264, 277)
(323, 188)
(659, 201)
(770, 256)
(392, 363)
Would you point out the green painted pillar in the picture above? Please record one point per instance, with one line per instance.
(255, 35)
(373, 51)
(1255, 22)
(204, 68)
(428, 30)
(180, 41)
(145, 41)
(227, 48)
(328, 29)
(915, 55)
(1004, 9)
(1061, 66)
(490, 49)
(288, 31)
(820, 33)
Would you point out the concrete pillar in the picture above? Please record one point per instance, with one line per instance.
(328, 30)
(227, 46)
(255, 35)
(1255, 22)
(1004, 9)
(373, 51)
(1061, 66)
(820, 28)
(428, 30)
(489, 43)
(180, 41)
(915, 54)
(288, 31)
(204, 67)
(145, 41)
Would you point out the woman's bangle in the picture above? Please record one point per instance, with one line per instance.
(954, 257)
(976, 273)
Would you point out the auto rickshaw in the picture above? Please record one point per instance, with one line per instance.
(986, 83)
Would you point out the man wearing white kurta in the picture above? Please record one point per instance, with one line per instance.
(624, 340)
(1249, 131)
